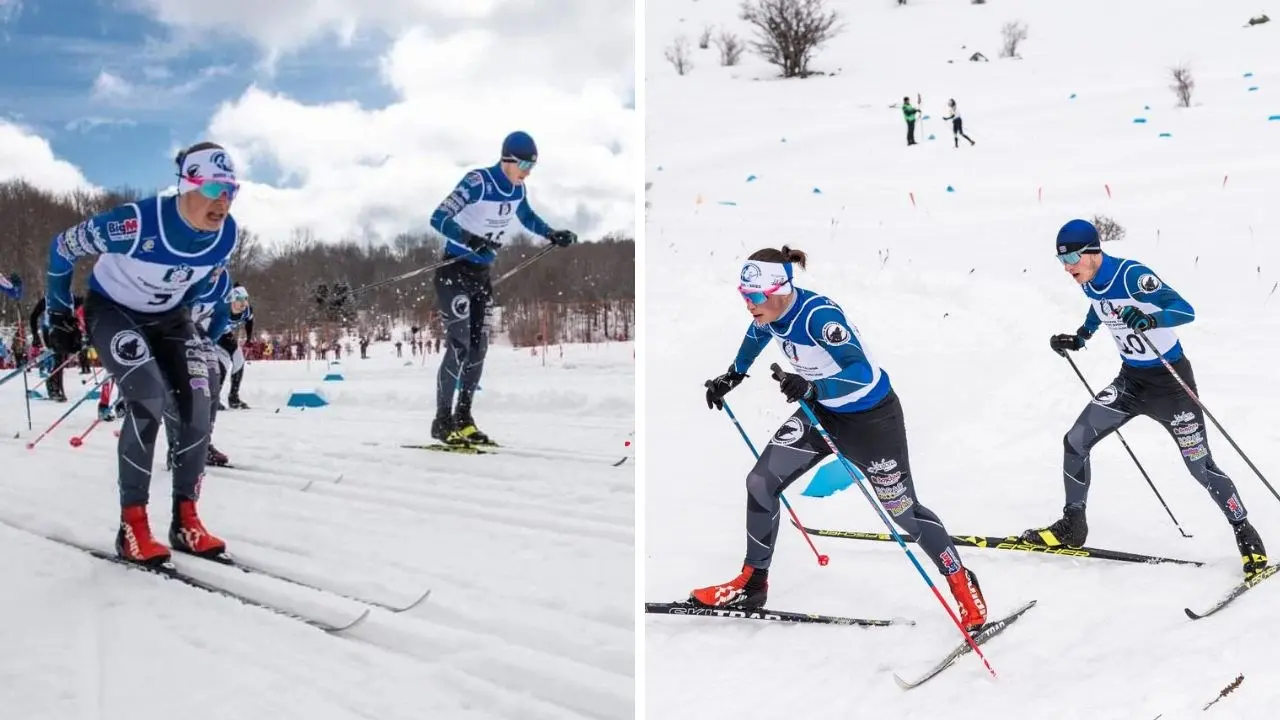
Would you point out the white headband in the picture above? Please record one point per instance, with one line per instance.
(209, 164)
(762, 276)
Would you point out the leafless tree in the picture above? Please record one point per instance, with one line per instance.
(704, 40)
(789, 31)
(730, 47)
(589, 288)
(1013, 33)
(1108, 229)
(1183, 84)
(678, 55)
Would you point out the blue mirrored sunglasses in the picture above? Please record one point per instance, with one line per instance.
(213, 190)
(525, 165)
(1070, 258)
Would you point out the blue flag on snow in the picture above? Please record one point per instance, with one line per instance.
(830, 478)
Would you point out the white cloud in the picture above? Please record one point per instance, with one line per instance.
(109, 87)
(85, 124)
(26, 156)
(465, 74)
(9, 10)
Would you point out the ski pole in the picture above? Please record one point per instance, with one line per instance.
(22, 367)
(822, 559)
(78, 440)
(526, 263)
(1131, 454)
(56, 423)
(53, 371)
(1192, 395)
(858, 480)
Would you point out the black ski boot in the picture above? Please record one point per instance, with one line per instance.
(446, 431)
(215, 457)
(1070, 531)
(1252, 552)
(236, 403)
(467, 428)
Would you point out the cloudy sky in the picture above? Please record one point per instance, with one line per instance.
(351, 117)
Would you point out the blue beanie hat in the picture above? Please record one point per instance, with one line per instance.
(520, 146)
(1078, 235)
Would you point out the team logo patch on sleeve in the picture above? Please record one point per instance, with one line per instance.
(835, 333)
(1148, 283)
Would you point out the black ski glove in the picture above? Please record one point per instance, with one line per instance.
(1059, 343)
(794, 387)
(64, 332)
(719, 387)
(1135, 319)
(476, 242)
(563, 238)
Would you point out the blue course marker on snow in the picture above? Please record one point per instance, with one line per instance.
(726, 202)
(950, 189)
(751, 178)
(1253, 89)
(1139, 120)
(830, 478)
(1166, 135)
(1274, 117)
(1073, 96)
(1248, 74)
(817, 191)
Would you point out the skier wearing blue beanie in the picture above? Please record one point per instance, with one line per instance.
(1140, 311)
(475, 218)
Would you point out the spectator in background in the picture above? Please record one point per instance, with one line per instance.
(910, 113)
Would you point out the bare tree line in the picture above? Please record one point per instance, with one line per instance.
(282, 276)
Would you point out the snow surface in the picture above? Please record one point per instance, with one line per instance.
(957, 297)
(529, 558)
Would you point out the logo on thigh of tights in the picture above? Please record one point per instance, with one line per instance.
(128, 347)
(1182, 417)
(790, 432)
(1108, 395)
(461, 306)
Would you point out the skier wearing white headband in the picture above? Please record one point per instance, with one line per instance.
(152, 259)
(850, 394)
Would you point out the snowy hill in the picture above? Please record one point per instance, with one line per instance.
(957, 293)
(508, 547)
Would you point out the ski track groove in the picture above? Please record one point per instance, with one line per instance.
(613, 532)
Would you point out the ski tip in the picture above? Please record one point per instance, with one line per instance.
(1190, 613)
(902, 683)
(342, 628)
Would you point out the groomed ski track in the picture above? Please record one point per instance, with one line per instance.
(529, 560)
(957, 297)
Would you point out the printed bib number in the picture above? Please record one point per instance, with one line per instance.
(1131, 344)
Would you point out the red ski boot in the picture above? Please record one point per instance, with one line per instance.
(748, 590)
(187, 534)
(134, 541)
(968, 595)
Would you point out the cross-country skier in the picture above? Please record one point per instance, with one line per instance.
(230, 354)
(209, 307)
(1127, 296)
(852, 397)
(152, 258)
(474, 218)
(40, 336)
(957, 123)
